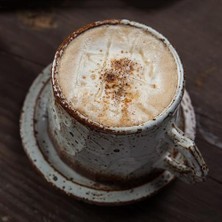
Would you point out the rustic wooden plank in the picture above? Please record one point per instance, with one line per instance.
(27, 44)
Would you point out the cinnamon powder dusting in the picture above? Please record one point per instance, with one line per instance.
(117, 82)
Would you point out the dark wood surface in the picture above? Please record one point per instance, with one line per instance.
(28, 40)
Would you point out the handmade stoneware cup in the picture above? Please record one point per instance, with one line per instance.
(122, 154)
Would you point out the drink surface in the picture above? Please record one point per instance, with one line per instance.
(118, 75)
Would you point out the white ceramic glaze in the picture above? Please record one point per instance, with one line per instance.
(42, 153)
(123, 154)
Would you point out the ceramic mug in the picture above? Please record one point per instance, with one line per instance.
(123, 154)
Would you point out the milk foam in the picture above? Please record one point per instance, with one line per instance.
(118, 75)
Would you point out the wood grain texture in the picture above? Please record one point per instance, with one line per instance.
(28, 40)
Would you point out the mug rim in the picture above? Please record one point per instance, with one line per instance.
(61, 100)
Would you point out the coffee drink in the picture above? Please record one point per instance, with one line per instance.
(118, 75)
(113, 109)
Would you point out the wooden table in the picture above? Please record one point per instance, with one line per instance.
(28, 40)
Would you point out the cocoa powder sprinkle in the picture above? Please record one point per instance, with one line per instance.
(117, 78)
(117, 82)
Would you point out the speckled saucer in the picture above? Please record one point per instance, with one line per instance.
(41, 152)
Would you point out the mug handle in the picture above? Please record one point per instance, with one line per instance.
(194, 168)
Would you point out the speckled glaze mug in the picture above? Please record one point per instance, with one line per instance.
(124, 154)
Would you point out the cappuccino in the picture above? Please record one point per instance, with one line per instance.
(117, 75)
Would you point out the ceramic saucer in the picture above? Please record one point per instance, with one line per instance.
(40, 150)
